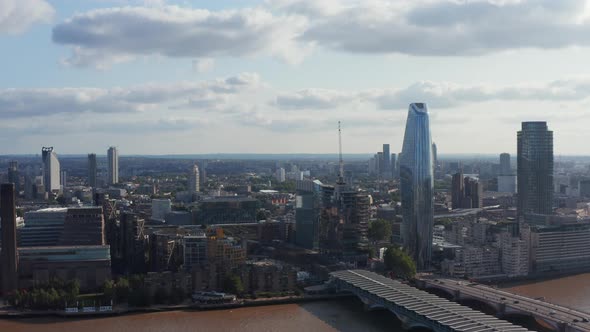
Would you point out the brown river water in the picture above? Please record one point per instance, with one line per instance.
(339, 315)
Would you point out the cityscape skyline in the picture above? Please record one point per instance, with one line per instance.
(289, 84)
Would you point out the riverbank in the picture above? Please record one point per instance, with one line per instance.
(121, 310)
(344, 315)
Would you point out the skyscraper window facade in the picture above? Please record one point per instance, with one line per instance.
(535, 169)
(417, 186)
(92, 170)
(51, 169)
(113, 170)
(505, 168)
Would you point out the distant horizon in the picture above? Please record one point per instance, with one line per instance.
(227, 155)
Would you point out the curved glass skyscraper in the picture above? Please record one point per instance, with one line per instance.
(417, 186)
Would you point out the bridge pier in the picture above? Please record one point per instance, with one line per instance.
(500, 310)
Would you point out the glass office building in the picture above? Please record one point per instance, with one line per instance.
(535, 169)
(417, 186)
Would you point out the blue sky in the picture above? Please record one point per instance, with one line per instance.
(275, 76)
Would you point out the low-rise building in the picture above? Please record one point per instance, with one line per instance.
(268, 276)
(91, 265)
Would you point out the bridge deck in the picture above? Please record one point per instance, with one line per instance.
(436, 310)
(579, 320)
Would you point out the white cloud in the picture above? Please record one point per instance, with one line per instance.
(452, 28)
(203, 65)
(18, 15)
(291, 29)
(42, 102)
(244, 102)
(118, 34)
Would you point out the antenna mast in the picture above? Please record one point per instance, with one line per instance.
(341, 162)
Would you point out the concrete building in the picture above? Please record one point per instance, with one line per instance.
(83, 226)
(160, 208)
(417, 186)
(505, 168)
(267, 276)
(51, 170)
(535, 169)
(515, 255)
(507, 183)
(280, 175)
(43, 228)
(473, 261)
(92, 170)
(561, 248)
(113, 165)
(434, 156)
(9, 254)
(354, 213)
(227, 210)
(91, 265)
(226, 251)
(63, 179)
(194, 180)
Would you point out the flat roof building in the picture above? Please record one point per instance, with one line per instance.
(91, 265)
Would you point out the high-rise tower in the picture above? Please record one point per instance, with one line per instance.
(505, 168)
(417, 186)
(51, 169)
(8, 257)
(535, 169)
(193, 179)
(13, 176)
(92, 170)
(386, 163)
(113, 170)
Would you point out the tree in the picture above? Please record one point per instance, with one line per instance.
(233, 284)
(122, 290)
(399, 262)
(379, 230)
(108, 290)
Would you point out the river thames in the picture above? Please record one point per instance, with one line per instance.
(339, 315)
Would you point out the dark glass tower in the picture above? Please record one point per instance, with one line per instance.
(8, 257)
(385, 166)
(535, 169)
(92, 170)
(307, 215)
(417, 186)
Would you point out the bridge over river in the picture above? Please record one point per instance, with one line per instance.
(417, 308)
(504, 303)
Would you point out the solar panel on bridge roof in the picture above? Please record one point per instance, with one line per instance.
(450, 314)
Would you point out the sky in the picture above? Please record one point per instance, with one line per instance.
(276, 76)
